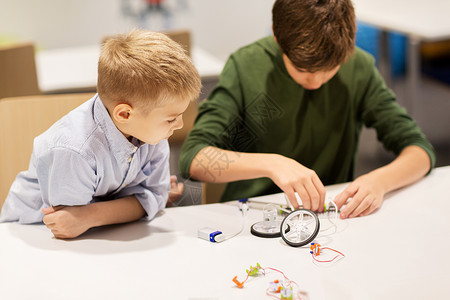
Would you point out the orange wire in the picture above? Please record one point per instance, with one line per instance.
(314, 257)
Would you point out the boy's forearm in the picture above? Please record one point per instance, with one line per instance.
(411, 165)
(116, 211)
(212, 164)
(71, 221)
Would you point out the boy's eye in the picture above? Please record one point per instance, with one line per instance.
(171, 121)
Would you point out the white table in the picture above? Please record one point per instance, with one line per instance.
(420, 21)
(399, 252)
(75, 69)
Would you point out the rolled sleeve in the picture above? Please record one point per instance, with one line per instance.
(152, 185)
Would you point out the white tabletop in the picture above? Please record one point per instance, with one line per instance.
(399, 252)
(427, 20)
(75, 68)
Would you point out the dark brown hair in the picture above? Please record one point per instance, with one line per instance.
(316, 35)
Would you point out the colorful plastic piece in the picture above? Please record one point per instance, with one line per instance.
(315, 249)
(286, 293)
(254, 270)
(239, 284)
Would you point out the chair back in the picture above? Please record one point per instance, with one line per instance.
(21, 120)
(18, 75)
(182, 37)
(212, 192)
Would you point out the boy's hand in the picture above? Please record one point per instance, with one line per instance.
(65, 222)
(367, 196)
(293, 177)
(176, 190)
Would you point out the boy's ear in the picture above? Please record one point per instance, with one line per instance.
(122, 113)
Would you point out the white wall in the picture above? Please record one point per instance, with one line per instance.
(218, 26)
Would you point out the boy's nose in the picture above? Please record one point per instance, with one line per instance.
(314, 82)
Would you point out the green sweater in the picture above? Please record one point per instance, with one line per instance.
(258, 108)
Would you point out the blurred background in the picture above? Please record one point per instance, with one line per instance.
(219, 27)
(65, 36)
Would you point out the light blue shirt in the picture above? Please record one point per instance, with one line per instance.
(84, 158)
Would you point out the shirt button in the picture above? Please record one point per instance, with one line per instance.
(130, 158)
(124, 185)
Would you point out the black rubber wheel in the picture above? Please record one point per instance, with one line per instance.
(303, 227)
(265, 234)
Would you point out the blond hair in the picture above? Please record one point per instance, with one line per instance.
(145, 69)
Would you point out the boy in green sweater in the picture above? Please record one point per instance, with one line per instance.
(288, 110)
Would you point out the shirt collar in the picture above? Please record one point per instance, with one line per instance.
(120, 146)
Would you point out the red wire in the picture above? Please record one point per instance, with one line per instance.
(248, 274)
(334, 250)
(268, 293)
(277, 271)
(314, 257)
(285, 277)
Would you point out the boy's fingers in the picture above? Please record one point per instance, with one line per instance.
(322, 192)
(352, 205)
(314, 196)
(173, 182)
(47, 220)
(304, 196)
(180, 187)
(344, 195)
(369, 210)
(48, 210)
(51, 209)
(366, 211)
(291, 197)
(341, 198)
(365, 203)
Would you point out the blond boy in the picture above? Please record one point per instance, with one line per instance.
(106, 162)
